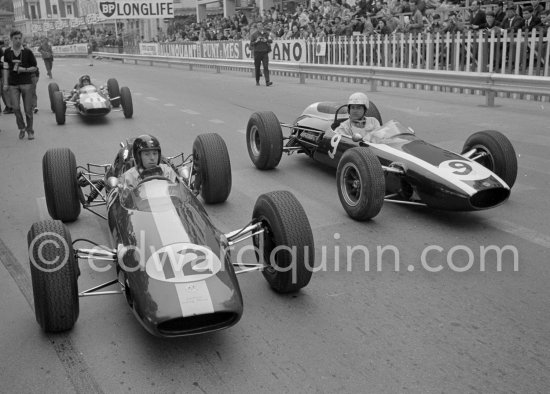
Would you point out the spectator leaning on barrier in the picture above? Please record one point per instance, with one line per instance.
(500, 14)
(512, 22)
(491, 22)
(416, 25)
(46, 51)
(260, 42)
(477, 17)
(531, 22)
(19, 64)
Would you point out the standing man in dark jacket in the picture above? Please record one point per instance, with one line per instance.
(260, 44)
(46, 51)
(19, 67)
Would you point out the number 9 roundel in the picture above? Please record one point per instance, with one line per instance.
(465, 170)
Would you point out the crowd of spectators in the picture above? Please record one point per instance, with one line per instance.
(97, 38)
(366, 17)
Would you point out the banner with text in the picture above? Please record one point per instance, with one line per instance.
(186, 49)
(70, 49)
(134, 9)
(149, 49)
(222, 50)
(281, 51)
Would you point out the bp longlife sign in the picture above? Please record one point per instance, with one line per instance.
(128, 9)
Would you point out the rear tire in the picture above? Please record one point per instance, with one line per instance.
(61, 184)
(114, 91)
(126, 102)
(52, 87)
(361, 184)
(212, 168)
(285, 224)
(500, 154)
(264, 140)
(60, 107)
(54, 274)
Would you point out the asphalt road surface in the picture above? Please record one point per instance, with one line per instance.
(389, 326)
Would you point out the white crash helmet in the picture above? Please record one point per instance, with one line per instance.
(360, 99)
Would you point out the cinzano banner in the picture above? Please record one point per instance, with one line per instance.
(282, 51)
(133, 9)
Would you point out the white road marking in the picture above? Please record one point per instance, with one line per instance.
(242, 131)
(169, 105)
(217, 121)
(521, 232)
(152, 98)
(190, 112)
(137, 93)
(42, 208)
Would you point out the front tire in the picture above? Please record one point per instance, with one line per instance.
(52, 88)
(114, 91)
(60, 107)
(54, 274)
(499, 154)
(360, 182)
(61, 184)
(212, 168)
(264, 140)
(126, 102)
(286, 227)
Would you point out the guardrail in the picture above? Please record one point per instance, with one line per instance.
(487, 84)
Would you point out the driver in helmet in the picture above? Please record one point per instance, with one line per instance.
(358, 122)
(146, 151)
(84, 80)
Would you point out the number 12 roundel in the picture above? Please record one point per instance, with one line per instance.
(182, 262)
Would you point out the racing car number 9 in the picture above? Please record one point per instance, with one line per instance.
(182, 262)
(465, 170)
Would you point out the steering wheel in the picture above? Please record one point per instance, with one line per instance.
(149, 172)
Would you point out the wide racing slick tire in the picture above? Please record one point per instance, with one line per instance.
(373, 112)
(361, 184)
(52, 87)
(264, 140)
(59, 107)
(286, 247)
(126, 102)
(61, 184)
(212, 168)
(114, 91)
(499, 154)
(54, 274)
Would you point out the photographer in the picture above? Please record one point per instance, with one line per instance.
(260, 44)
